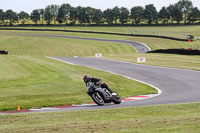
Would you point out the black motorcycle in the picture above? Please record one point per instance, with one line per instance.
(101, 95)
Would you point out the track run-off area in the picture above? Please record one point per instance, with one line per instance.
(173, 85)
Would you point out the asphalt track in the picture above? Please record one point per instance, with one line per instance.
(177, 85)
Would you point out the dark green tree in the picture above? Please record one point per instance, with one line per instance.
(54, 12)
(178, 14)
(171, 11)
(83, 15)
(73, 15)
(23, 16)
(63, 13)
(137, 13)
(124, 15)
(97, 16)
(150, 13)
(41, 11)
(11, 16)
(2, 15)
(164, 15)
(107, 14)
(186, 7)
(90, 14)
(35, 16)
(48, 15)
(194, 15)
(116, 13)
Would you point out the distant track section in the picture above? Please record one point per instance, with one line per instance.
(140, 48)
(95, 32)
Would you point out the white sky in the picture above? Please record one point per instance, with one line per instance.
(29, 5)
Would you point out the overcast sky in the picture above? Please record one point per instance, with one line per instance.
(29, 5)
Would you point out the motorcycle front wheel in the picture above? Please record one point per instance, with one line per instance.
(97, 98)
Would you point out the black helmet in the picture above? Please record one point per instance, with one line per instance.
(86, 78)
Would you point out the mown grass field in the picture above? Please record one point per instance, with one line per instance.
(164, 60)
(173, 31)
(51, 46)
(177, 118)
(153, 43)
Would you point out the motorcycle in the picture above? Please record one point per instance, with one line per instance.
(101, 95)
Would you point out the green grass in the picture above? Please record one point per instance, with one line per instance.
(177, 118)
(174, 31)
(153, 43)
(47, 46)
(44, 82)
(164, 60)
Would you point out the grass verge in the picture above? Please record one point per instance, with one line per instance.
(177, 118)
(164, 60)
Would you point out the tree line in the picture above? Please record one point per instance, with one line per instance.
(183, 10)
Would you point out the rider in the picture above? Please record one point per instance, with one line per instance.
(96, 81)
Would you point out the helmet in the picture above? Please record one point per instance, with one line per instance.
(86, 78)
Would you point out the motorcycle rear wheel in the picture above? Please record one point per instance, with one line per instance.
(116, 99)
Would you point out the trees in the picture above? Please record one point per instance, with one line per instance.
(137, 13)
(23, 16)
(124, 15)
(35, 16)
(11, 16)
(82, 15)
(41, 12)
(194, 15)
(73, 15)
(63, 13)
(2, 16)
(182, 10)
(177, 13)
(164, 15)
(107, 14)
(116, 13)
(97, 16)
(90, 14)
(185, 6)
(48, 15)
(150, 13)
(54, 12)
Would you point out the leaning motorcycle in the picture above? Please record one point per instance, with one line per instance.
(101, 95)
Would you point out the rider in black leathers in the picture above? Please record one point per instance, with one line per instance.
(96, 81)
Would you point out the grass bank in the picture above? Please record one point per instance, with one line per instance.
(172, 31)
(153, 43)
(35, 82)
(164, 60)
(177, 118)
(52, 46)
